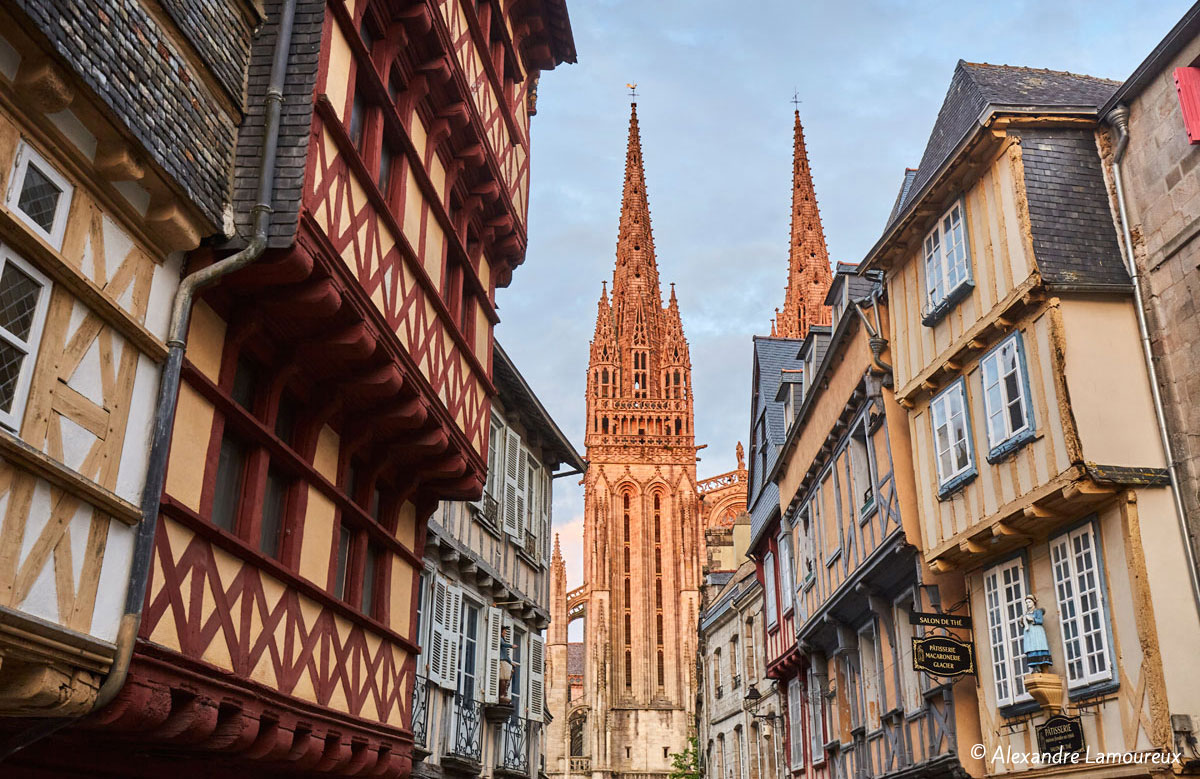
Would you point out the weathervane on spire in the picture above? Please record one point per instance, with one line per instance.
(796, 101)
(632, 89)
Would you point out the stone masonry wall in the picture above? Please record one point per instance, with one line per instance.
(1162, 183)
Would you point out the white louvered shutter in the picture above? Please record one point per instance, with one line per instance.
(512, 468)
(522, 494)
(491, 656)
(795, 737)
(769, 582)
(437, 633)
(537, 678)
(453, 628)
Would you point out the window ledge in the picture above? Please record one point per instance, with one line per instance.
(868, 511)
(937, 312)
(809, 581)
(1094, 690)
(1011, 445)
(947, 490)
(1017, 709)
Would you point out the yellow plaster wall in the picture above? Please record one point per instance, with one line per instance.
(189, 443)
(319, 520)
(337, 81)
(404, 575)
(1010, 478)
(1174, 614)
(1108, 384)
(1001, 253)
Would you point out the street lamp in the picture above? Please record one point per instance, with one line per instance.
(752, 700)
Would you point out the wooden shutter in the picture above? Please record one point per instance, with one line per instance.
(452, 626)
(437, 632)
(1187, 84)
(537, 677)
(794, 725)
(491, 671)
(514, 474)
(522, 493)
(769, 586)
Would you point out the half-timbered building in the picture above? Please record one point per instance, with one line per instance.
(1040, 476)
(335, 389)
(484, 599)
(100, 202)
(848, 505)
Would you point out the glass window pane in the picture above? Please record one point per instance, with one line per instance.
(274, 503)
(370, 567)
(18, 301)
(10, 370)
(39, 197)
(227, 495)
(245, 382)
(343, 556)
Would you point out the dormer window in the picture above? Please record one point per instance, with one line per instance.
(947, 265)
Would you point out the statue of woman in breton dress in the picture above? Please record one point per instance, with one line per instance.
(1037, 649)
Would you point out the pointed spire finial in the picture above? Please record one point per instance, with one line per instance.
(809, 274)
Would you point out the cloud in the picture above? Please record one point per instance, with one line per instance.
(716, 119)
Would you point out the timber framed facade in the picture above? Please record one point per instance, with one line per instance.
(334, 391)
(847, 500)
(1009, 306)
(487, 581)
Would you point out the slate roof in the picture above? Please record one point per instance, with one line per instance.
(575, 658)
(1074, 238)
(974, 87)
(295, 121)
(771, 356)
(516, 393)
(132, 63)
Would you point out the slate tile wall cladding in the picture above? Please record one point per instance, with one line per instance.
(1074, 239)
(222, 36)
(295, 125)
(121, 52)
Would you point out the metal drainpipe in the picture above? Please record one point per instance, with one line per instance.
(168, 394)
(1118, 119)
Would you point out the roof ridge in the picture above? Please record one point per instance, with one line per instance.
(1029, 69)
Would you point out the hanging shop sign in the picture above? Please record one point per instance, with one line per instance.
(943, 656)
(939, 620)
(1061, 734)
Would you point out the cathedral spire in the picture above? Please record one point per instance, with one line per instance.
(809, 275)
(636, 272)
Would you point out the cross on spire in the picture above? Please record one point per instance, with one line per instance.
(796, 101)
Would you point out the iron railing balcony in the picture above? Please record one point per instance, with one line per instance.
(514, 745)
(463, 740)
(420, 713)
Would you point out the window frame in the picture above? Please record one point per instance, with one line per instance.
(1090, 682)
(946, 296)
(27, 154)
(769, 588)
(12, 419)
(948, 484)
(1015, 438)
(1013, 664)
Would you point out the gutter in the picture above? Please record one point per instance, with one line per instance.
(168, 395)
(1118, 120)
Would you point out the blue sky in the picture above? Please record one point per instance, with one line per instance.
(715, 81)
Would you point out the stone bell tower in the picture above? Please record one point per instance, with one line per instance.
(643, 539)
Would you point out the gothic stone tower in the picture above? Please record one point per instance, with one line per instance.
(643, 543)
(809, 274)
